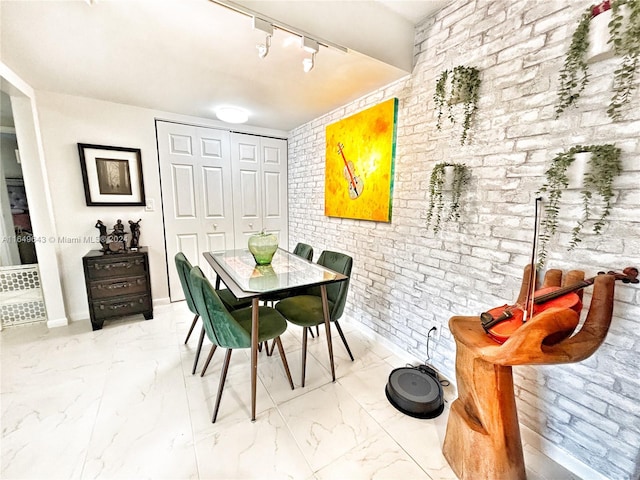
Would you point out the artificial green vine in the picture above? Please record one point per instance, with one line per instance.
(435, 213)
(573, 76)
(627, 44)
(603, 166)
(465, 88)
(625, 35)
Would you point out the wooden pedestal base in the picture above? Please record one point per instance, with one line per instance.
(483, 437)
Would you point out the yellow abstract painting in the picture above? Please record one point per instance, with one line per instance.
(359, 164)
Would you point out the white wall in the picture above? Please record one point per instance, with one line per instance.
(406, 278)
(68, 120)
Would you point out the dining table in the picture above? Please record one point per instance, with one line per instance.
(287, 272)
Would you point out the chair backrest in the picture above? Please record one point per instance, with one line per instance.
(337, 292)
(184, 270)
(222, 329)
(303, 250)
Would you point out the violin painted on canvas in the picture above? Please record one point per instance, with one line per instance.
(354, 182)
(501, 322)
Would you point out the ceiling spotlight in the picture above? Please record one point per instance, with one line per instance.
(232, 114)
(308, 63)
(263, 48)
(309, 45)
(266, 27)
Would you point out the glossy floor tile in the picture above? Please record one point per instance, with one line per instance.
(121, 403)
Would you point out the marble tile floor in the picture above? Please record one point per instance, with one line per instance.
(121, 403)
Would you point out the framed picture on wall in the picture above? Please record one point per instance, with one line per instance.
(111, 175)
(360, 157)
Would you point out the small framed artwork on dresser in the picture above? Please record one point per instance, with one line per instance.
(111, 175)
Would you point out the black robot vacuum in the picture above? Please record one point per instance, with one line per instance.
(415, 391)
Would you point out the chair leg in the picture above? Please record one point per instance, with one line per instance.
(193, 324)
(304, 353)
(195, 361)
(273, 347)
(206, 364)
(223, 377)
(344, 340)
(311, 332)
(284, 360)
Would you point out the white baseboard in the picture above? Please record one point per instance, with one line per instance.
(57, 322)
(158, 302)
(559, 455)
(534, 439)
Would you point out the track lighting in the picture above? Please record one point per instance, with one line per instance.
(263, 48)
(308, 63)
(309, 45)
(266, 27)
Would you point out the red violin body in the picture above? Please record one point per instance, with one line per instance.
(501, 322)
(504, 329)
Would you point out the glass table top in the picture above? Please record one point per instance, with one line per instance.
(286, 271)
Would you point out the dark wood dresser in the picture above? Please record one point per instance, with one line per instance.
(117, 285)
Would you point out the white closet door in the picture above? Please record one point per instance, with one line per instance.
(259, 187)
(195, 172)
(275, 218)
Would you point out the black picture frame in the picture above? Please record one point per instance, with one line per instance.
(112, 176)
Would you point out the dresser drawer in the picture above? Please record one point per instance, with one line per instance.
(121, 306)
(112, 266)
(114, 287)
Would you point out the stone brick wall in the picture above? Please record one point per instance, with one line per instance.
(407, 279)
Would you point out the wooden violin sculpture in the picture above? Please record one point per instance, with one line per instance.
(355, 183)
(501, 322)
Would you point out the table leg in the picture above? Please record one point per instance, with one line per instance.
(327, 325)
(254, 355)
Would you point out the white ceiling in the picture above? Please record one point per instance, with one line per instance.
(191, 56)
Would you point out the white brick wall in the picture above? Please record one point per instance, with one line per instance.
(406, 279)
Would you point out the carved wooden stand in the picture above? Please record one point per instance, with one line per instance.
(483, 438)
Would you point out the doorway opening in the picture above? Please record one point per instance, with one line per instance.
(21, 298)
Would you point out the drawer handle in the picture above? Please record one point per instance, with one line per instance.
(116, 286)
(108, 266)
(121, 305)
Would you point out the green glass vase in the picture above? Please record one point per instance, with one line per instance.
(263, 246)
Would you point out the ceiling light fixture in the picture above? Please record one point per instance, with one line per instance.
(309, 63)
(311, 46)
(276, 24)
(266, 27)
(232, 114)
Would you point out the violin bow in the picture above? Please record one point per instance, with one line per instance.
(528, 306)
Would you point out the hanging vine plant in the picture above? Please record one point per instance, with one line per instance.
(624, 34)
(626, 43)
(436, 212)
(460, 85)
(603, 167)
(573, 75)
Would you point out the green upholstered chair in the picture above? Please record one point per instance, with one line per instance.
(183, 266)
(305, 310)
(232, 329)
(303, 250)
